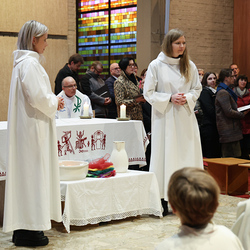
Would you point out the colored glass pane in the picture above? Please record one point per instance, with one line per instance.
(121, 3)
(123, 25)
(94, 53)
(93, 28)
(86, 5)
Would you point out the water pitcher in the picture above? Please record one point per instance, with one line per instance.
(119, 157)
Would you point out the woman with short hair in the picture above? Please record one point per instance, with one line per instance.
(32, 191)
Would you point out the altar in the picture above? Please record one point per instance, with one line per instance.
(88, 139)
(94, 200)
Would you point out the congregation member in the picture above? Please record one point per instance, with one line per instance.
(90, 84)
(227, 116)
(208, 129)
(127, 91)
(143, 77)
(136, 72)
(172, 87)
(194, 198)
(74, 100)
(201, 74)
(32, 191)
(70, 69)
(235, 70)
(243, 99)
(115, 72)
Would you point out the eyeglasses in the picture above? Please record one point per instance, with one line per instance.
(131, 65)
(71, 86)
(98, 71)
(116, 68)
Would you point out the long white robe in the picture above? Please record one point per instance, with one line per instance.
(241, 226)
(74, 106)
(212, 237)
(32, 196)
(175, 133)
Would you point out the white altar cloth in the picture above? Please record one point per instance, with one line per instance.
(95, 200)
(88, 139)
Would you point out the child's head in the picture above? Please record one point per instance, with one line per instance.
(193, 194)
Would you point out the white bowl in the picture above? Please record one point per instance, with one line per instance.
(73, 170)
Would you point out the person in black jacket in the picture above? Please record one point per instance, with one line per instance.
(208, 130)
(115, 72)
(90, 84)
(69, 69)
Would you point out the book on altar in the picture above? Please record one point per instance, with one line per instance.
(243, 108)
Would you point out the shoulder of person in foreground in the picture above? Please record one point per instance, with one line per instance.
(220, 237)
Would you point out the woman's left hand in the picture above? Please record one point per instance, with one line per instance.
(178, 99)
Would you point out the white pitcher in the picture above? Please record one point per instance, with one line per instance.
(119, 157)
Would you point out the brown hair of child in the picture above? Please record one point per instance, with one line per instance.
(193, 195)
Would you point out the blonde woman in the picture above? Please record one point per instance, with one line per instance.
(32, 191)
(172, 87)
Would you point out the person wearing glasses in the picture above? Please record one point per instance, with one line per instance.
(74, 100)
(227, 116)
(235, 70)
(90, 85)
(115, 72)
(127, 91)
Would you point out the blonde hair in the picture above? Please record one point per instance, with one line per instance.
(194, 194)
(167, 49)
(29, 30)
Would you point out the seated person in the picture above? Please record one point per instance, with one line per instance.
(193, 195)
(74, 100)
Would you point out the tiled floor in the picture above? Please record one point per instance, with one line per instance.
(143, 232)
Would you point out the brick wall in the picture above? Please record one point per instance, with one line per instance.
(209, 30)
(71, 27)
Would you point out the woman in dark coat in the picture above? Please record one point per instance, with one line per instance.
(208, 130)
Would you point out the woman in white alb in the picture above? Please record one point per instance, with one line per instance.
(172, 87)
(32, 195)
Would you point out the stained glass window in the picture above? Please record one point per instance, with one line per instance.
(106, 31)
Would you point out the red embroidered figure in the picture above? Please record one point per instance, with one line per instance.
(80, 140)
(66, 142)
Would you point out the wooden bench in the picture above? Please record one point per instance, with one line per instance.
(231, 174)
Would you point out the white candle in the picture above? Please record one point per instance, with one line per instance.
(123, 111)
(85, 109)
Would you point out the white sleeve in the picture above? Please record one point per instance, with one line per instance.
(36, 87)
(158, 100)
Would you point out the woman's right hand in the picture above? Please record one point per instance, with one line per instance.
(60, 103)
